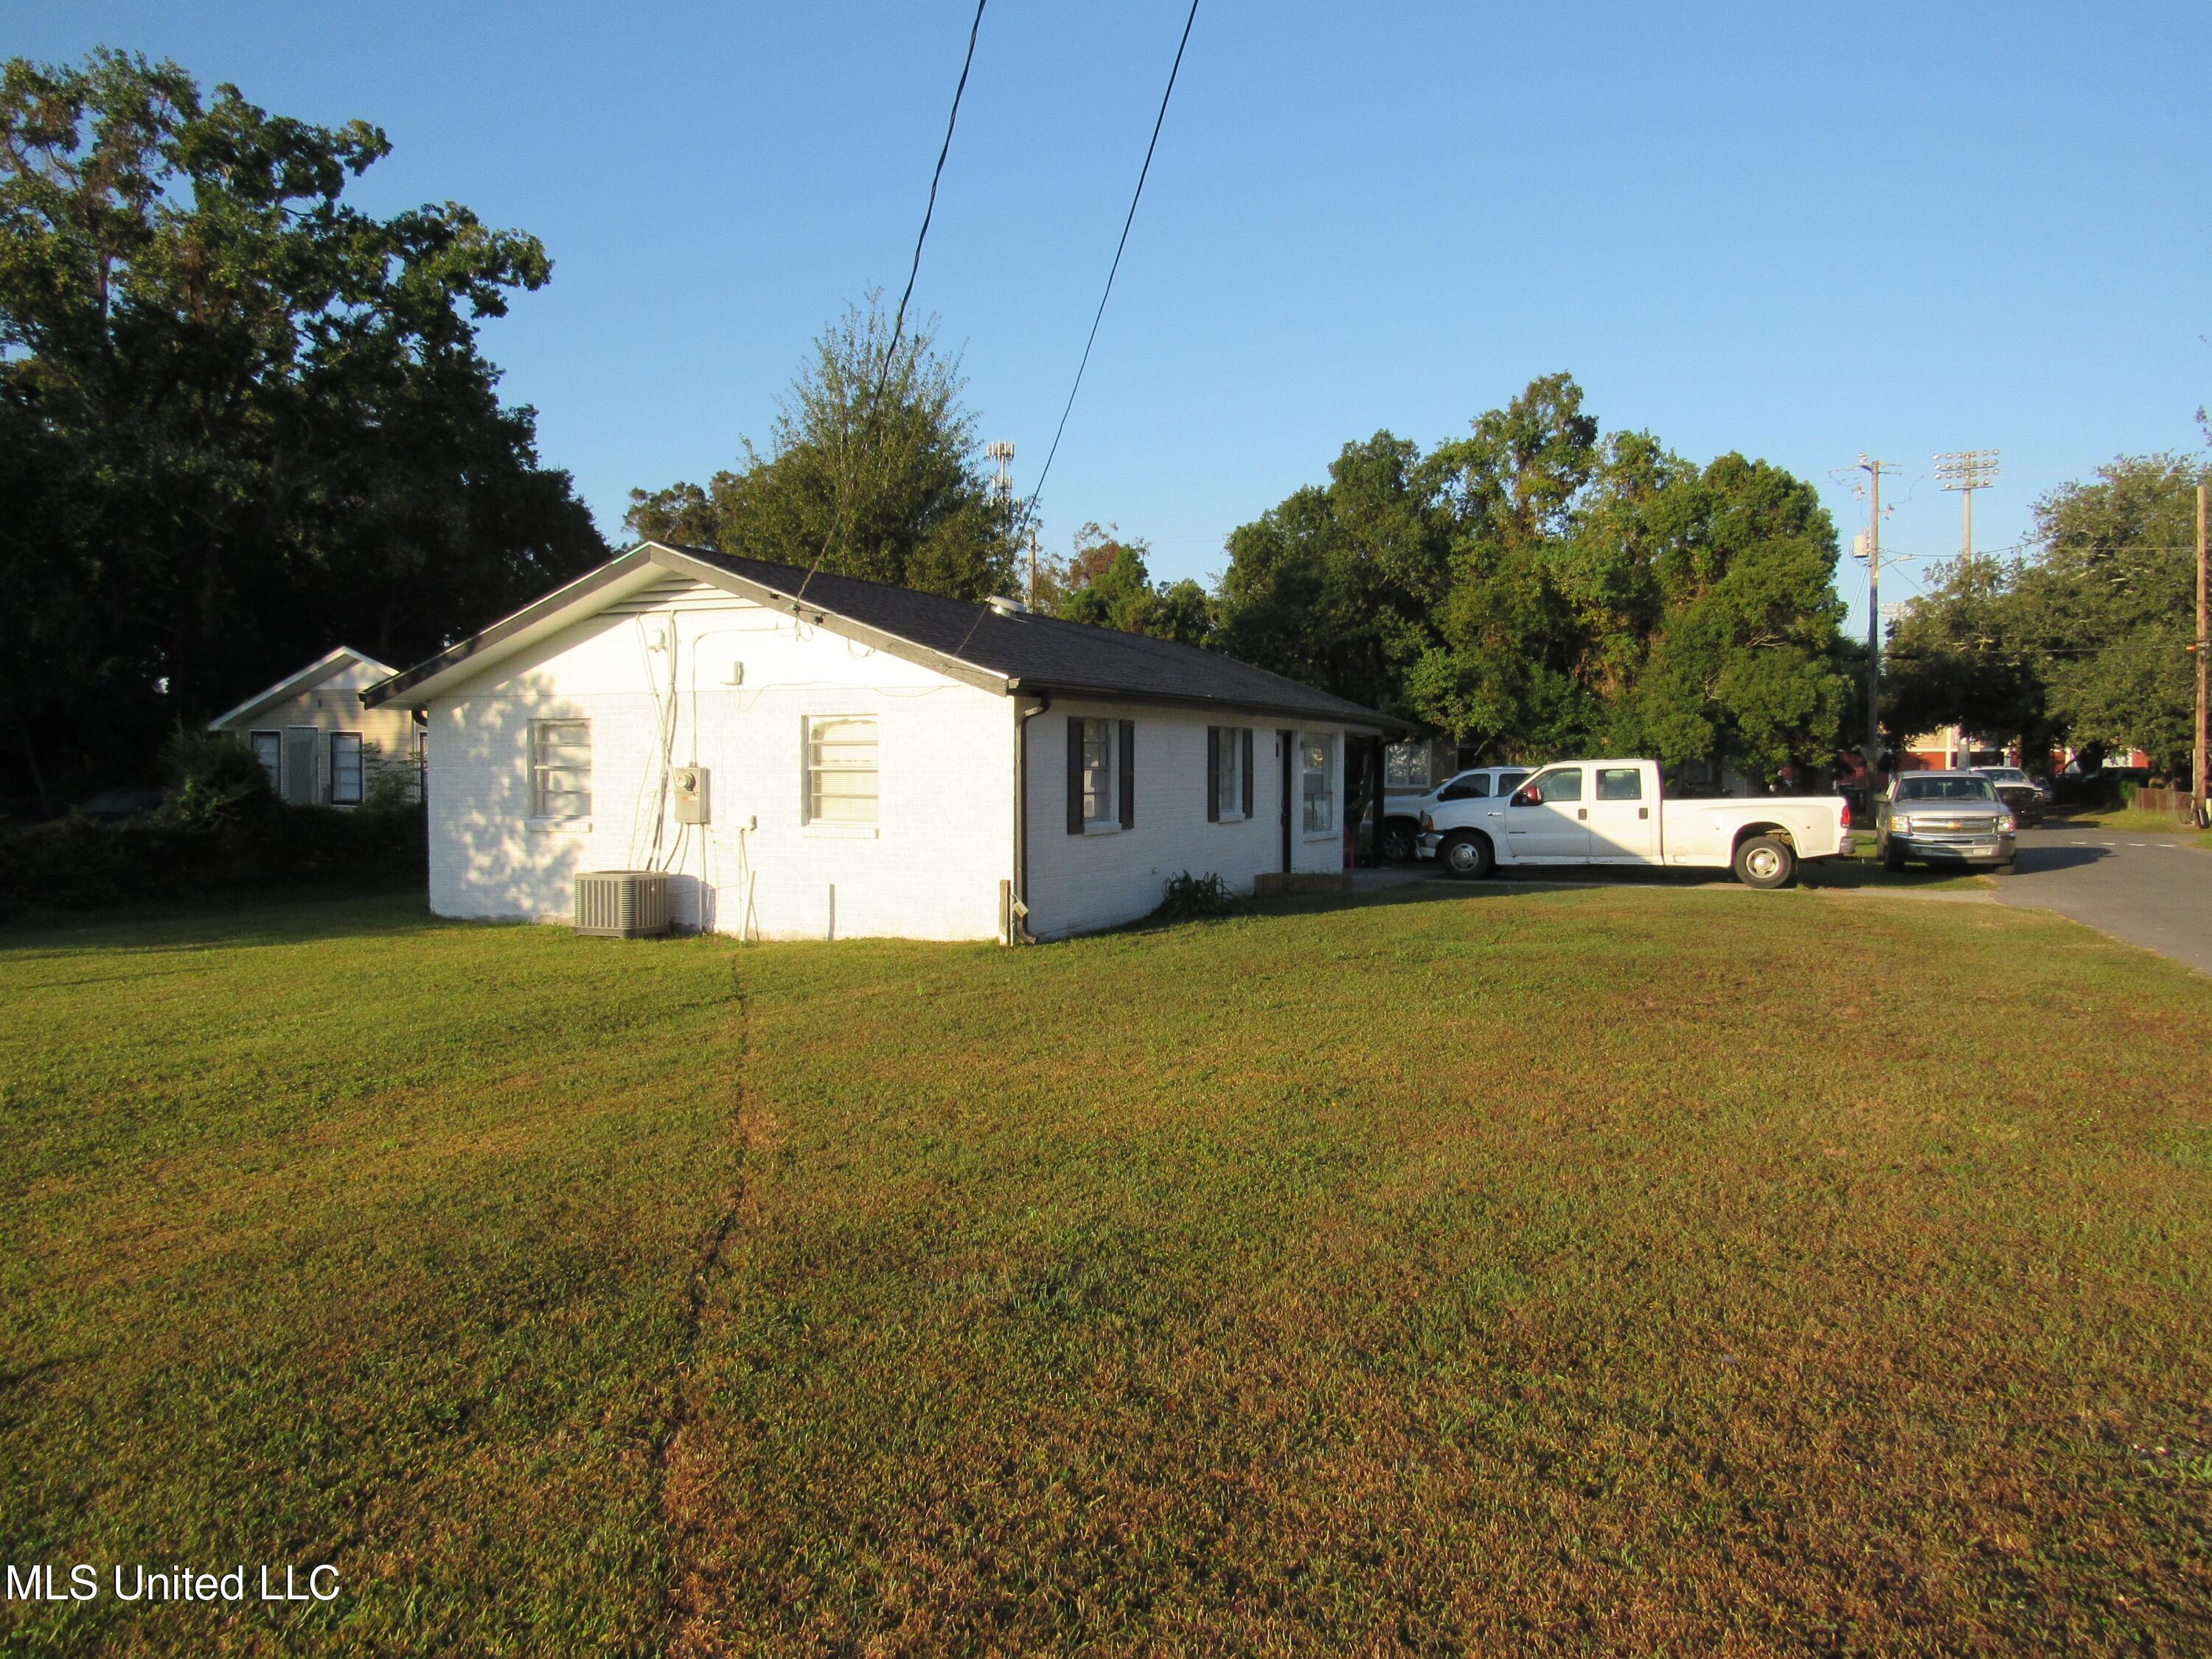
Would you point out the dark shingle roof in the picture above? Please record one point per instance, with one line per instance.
(1046, 654)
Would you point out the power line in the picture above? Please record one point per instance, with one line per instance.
(913, 271)
(1030, 506)
(898, 321)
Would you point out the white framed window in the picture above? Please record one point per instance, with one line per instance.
(269, 749)
(1100, 804)
(1406, 766)
(345, 769)
(1226, 763)
(561, 769)
(1317, 781)
(842, 775)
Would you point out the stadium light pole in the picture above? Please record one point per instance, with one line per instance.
(1966, 470)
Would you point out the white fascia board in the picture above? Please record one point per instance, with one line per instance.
(312, 675)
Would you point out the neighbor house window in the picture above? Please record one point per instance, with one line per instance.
(269, 749)
(841, 768)
(1099, 804)
(561, 769)
(1226, 763)
(1405, 766)
(1316, 753)
(345, 769)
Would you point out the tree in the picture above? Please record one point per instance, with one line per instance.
(1953, 658)
(874, 472)
(1340, 585)
(2084, 641)
(1538, 589)
(1103, 582)
(2108, 606)
(239, 420)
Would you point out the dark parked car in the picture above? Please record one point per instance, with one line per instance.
(2027, 799)
(1945, 817)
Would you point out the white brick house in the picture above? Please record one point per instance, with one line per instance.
(878, 761)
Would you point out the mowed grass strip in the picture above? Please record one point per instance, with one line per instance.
(1622, 1269)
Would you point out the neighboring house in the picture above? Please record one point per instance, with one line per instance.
(818, 756)
(310, 731)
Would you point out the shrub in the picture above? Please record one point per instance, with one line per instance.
(1194, 899)
(76, 864)
(392, 782)
(214, 782)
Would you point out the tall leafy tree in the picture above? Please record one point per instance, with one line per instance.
(1340, 585)
(874, 472)
(1538, 588)
(239, 419)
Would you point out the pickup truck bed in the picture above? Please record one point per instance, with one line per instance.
(1615, 812)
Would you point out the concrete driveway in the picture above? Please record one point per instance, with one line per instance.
(2148, 890)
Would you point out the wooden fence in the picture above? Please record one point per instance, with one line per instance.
(2173, 801)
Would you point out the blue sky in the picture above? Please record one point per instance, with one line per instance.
(1801, 232)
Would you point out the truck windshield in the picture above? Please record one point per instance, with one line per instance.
(1945, 789)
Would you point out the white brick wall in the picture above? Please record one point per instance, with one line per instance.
(1103, 878)
(930, 870)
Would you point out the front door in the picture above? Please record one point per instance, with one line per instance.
(303, 748)
(1547, 818)
(1623, 825)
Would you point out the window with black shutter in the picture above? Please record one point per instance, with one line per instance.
(1074, 775)
(1128, 778)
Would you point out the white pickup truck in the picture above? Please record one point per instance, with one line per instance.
(1612, 812)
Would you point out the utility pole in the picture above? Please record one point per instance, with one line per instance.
(1966, 470)
(2204, 636)
(1874, 470)
(1033, 567)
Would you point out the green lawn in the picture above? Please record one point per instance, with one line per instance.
(1641, 1269)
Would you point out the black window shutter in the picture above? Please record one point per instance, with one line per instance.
(1248, 771)
(1128, 775)
(1074, 775)
(1213, 774)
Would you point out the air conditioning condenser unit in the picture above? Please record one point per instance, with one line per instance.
(621, 903)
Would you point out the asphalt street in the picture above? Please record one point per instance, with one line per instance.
(2148, 890)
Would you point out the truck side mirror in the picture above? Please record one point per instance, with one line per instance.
(1527, 797)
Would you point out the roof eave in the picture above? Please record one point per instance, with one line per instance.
(438, 674)
(892, 644)
(312, 675)
(1352, 719)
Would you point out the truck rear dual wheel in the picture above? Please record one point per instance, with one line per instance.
(1766, 861)
(1466, 857)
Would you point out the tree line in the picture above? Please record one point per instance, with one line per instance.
(1536, 587)
(241, 420)
(2079, 638)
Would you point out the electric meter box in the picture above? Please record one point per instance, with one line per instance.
(691, 794)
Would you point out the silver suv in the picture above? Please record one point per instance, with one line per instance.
(1945, 817)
